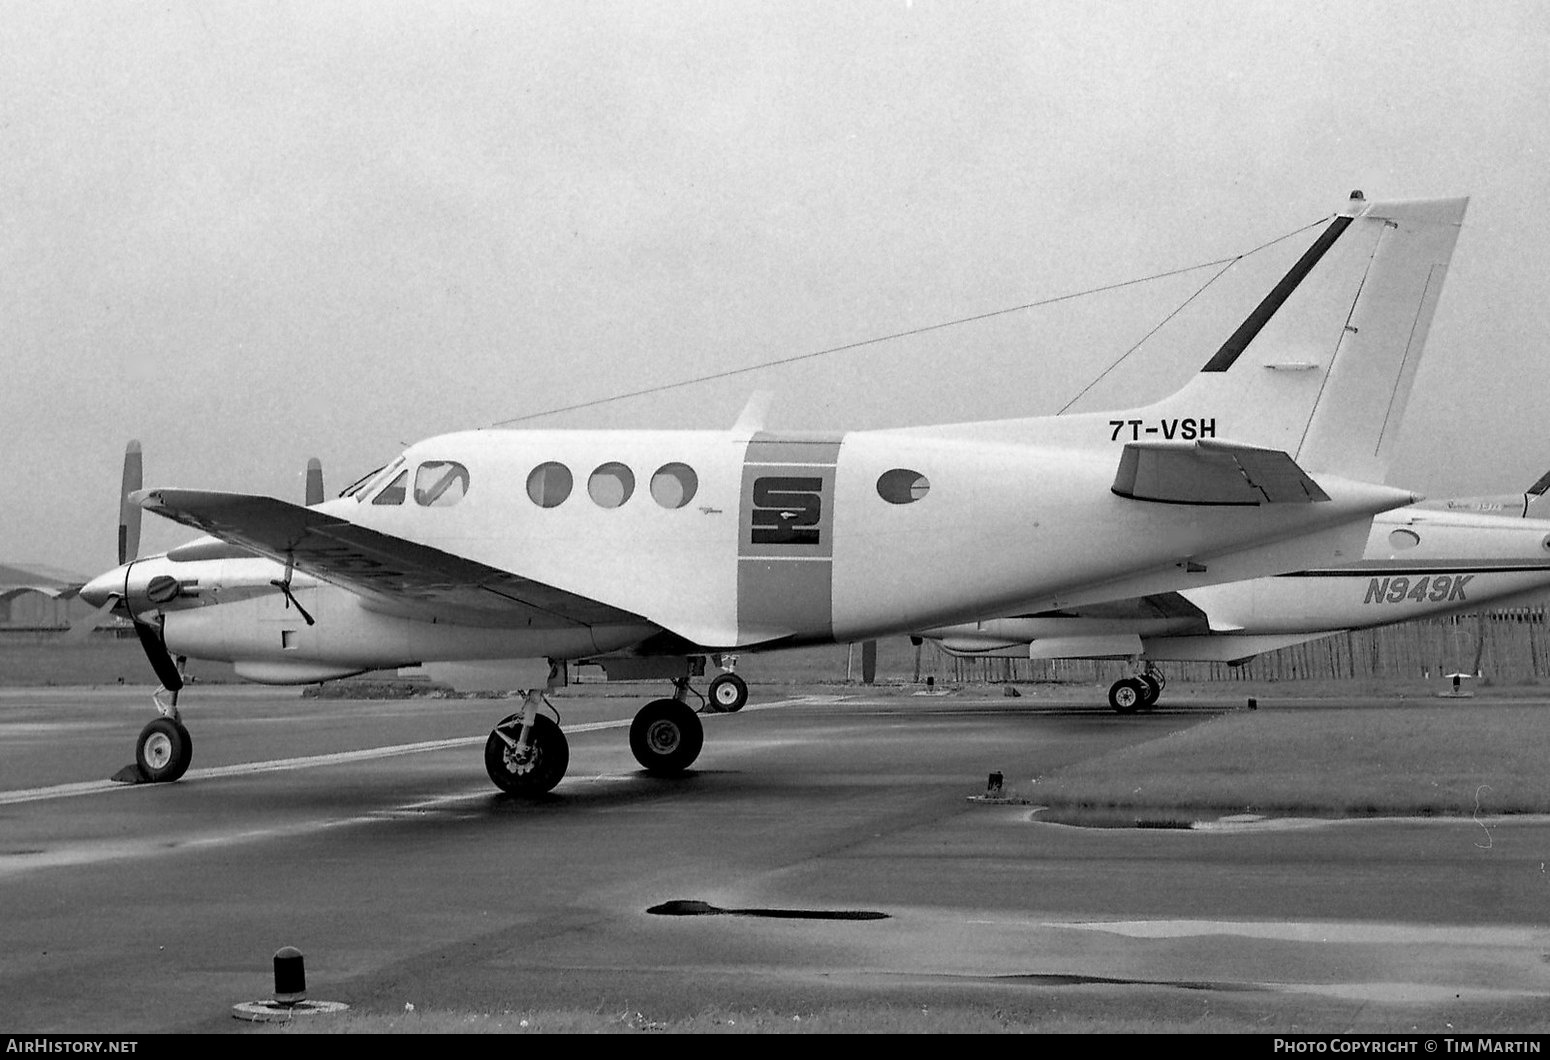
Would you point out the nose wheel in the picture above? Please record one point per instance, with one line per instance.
(164, 750)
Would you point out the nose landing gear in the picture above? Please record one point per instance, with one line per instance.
(164, 749)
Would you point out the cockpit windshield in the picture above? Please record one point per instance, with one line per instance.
(366, 484)
(360, 484)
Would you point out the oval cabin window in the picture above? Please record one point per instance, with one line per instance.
(611, 485)
(549, 484)
(674, 485)
(902, 486)
(1403, 539)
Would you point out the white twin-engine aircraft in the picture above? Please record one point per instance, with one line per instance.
(1424, 561)
(648, 550)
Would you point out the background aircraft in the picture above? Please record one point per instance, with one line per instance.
(480, 545)
(1423, 561)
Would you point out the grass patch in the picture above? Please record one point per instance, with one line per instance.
(860, 1019)
(1454, 760)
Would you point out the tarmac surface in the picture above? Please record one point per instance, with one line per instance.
(830, 848)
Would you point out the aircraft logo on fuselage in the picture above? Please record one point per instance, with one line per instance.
(787, 510)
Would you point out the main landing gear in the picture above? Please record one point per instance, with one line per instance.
(1139, 693)
(164, 749)
(527, 754)
(666, 735)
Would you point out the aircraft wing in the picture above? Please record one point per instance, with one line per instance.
(1169, 605)
(1212, 472)
(394, 574)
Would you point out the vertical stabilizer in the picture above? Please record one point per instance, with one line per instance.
(1536, 505)
(1322, 367)
(1356, 419)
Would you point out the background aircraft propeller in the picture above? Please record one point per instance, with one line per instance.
(129, 513)
(314, 481)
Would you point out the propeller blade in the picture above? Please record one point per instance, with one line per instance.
(161, 660)
(129, 514)
(82, 627)
(314, 481)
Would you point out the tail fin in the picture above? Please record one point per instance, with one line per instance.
(1322, 368)
(1536, 505)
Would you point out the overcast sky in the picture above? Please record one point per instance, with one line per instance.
(251, 233)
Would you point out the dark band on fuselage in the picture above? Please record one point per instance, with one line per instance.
(1379, 570)
(1240, 339)
(785, 553)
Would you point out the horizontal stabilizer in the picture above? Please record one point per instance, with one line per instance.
(1212, 472)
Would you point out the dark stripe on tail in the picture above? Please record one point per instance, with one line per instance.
(1240, 339)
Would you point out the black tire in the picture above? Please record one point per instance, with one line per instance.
(666, 736)
(1127, 696)
(1152, 688)
(728, 693)
(544, 766)
(163, 751)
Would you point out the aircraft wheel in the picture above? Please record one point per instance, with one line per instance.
(1127, 696)
(729, 693)
(537, 770)
(666, 736)
(163, 752)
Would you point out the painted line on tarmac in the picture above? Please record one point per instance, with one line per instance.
(277, 765)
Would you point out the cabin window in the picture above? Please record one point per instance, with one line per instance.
(611, 485)
(674, 485)
(440, 483)
(394, 492)
(1403, 539)
(549, 484)
(902, 486)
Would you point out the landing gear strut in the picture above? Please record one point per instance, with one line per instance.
(728, 692)
(526, 753)
(164, 749)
